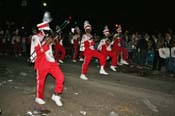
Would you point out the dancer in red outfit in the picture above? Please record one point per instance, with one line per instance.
(76, 43)
(105, 48)
(44, 63)
(90, 52)
(117, 46)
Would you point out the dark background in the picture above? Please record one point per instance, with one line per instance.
(133, 15)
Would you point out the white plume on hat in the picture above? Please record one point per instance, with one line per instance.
(87, 25)
(47, 18)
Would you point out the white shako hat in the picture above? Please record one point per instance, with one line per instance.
(87, 25)
(43, 26)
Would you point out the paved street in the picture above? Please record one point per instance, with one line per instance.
(127, 92)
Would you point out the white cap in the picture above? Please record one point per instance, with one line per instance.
(43, 26)
(87, 25)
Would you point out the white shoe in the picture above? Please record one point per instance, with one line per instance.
(124, 62)
(74, 61)
(39, 101)
(60, 61)
(113, 68)
(81, 59)
(82, 76)
(57, 100)
(102, 71)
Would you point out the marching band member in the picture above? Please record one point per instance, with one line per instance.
(60, 51)
(81, 50)
(44, 63)
(117, 46)
(105, 48)
(76, 43)
(90, 51)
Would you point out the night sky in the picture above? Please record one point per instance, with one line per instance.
(140, 15)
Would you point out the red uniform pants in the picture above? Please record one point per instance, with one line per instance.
(60, 53)
(112, 55)
(88, 56)
(53, 69)
(75, 52)
(123, 51)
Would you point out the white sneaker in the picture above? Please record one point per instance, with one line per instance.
(60, 61)
(57, 100)
(113, 68)
(81, 59)
(102, 71)
(124, 62)
(74, 61)
(39, 101)
(82, 76)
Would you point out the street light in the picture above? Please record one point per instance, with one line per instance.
(44, 4)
